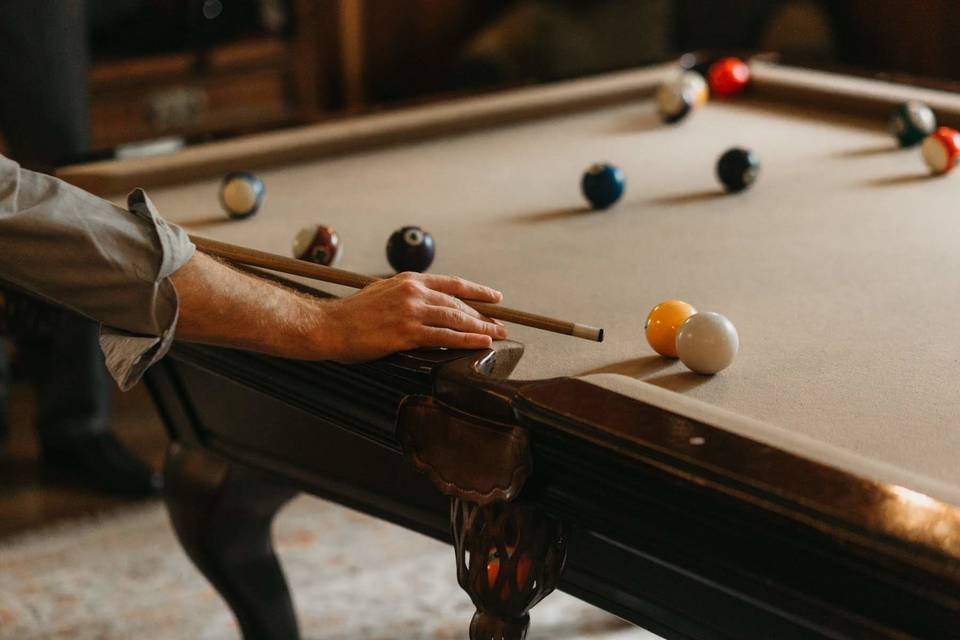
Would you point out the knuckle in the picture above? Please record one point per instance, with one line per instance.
(409, 287)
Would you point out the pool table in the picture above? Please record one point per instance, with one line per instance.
(811, 490)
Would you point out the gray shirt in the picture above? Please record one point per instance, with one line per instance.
(110, 264)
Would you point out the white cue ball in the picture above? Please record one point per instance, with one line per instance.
(707, 342)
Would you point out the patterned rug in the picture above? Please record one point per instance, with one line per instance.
(353, 578)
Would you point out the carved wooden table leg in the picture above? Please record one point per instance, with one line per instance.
(509, 557)
(222, 516)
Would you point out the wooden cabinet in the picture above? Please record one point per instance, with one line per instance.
(251, 84)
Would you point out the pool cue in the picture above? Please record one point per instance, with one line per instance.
(292, 266)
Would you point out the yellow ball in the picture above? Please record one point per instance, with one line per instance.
(662, 324)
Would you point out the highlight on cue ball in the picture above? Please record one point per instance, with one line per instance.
(241, 194)
(662, 324)
(707, 342)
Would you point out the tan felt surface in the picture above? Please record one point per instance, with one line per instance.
(840, 268)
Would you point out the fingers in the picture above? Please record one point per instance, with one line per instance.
(460, 288)
(437, 299)
(451, 339)
(451, 318)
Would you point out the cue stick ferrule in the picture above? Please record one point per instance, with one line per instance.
(587, 332)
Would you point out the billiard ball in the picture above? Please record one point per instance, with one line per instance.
(737, 169)
(662, 324)
(728, 76)
(674, 102)
(241, 194)
(911, 122)
(941, 149)
(602, 185)
(410, 249)
(707, 342)
(696, 84)
(318, 243)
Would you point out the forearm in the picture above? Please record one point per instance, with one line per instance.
(224, 306)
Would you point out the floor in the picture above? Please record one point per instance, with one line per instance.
(110, 591)
(33, 496)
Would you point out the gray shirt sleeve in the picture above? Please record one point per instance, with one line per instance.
(110, 264)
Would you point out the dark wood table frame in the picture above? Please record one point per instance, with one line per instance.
(683, 528)
(732, 540)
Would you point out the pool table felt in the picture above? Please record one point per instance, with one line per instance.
(840, 267)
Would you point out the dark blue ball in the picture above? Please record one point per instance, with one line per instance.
(410, 249)
(602, 185)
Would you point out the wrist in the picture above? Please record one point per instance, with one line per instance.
(324, 331)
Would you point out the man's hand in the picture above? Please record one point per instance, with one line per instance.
(407, 311)
(221, 305)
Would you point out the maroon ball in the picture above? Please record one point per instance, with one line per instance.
(318, 243)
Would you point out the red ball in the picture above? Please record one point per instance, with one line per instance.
(318, 243)
(941, 150)
(728, 76)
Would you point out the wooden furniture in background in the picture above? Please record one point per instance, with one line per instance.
(916, 38)
(389, 50)
(350, 23)
(253, 84)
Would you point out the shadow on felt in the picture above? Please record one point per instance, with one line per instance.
(690, 197)
(901, 180)
(683, 381)
(865, 152)
(635, 368)
(552, 215)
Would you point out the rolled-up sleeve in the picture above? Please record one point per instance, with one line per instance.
(84, 253)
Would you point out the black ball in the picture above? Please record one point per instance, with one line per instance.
(737, 169)
(410, 249)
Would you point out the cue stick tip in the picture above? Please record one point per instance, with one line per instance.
(587, 332)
